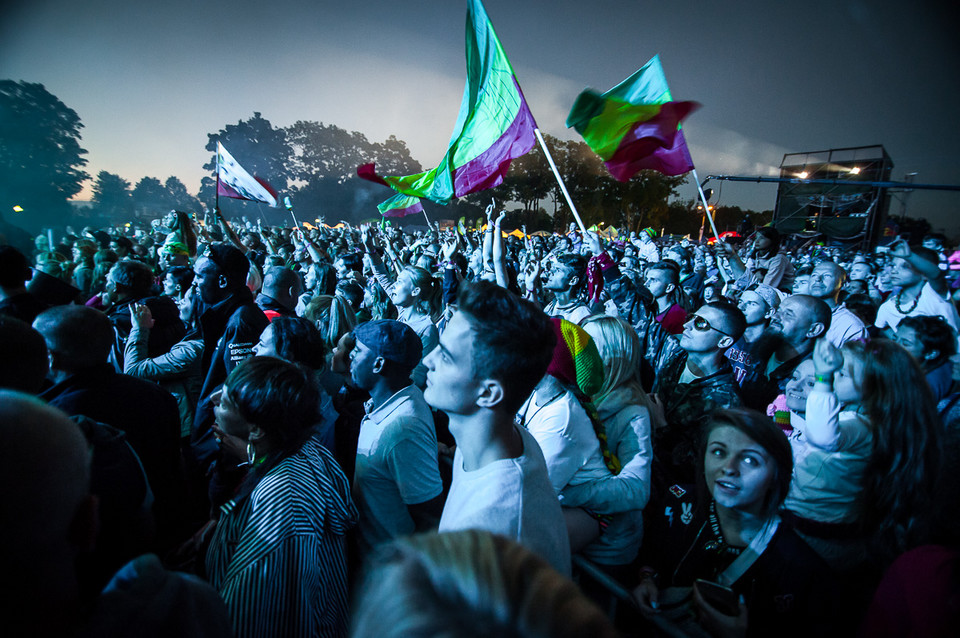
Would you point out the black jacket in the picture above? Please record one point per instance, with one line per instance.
(229, 331)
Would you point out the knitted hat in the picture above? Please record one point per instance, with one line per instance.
(576, 360)
(577, 363)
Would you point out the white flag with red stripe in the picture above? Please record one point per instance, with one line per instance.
(234, 181)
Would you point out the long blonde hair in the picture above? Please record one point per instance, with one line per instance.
(333, 316)
(619, 348)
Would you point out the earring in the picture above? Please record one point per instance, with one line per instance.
(251, 453)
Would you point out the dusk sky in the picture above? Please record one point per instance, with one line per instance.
(151, 80)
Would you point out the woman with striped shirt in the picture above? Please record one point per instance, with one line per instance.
(278, 553)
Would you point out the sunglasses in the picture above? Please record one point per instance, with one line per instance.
(702, 325)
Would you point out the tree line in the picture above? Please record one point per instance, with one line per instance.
(315, 164)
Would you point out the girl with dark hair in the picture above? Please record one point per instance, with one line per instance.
(278, 554)
(181, 230)
(297, 340)
(732, 559)
(867, 454)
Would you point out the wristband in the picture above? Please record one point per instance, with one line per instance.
(819, 378)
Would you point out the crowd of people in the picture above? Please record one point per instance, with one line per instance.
(231, 429)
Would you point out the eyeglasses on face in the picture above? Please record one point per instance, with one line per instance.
(702, 325)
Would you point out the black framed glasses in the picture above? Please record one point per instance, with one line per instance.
(702, 325)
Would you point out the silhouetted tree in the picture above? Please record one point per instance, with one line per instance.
(149, 197)
(112, 197)
(180, 198)
(40, 156)
(324, 165)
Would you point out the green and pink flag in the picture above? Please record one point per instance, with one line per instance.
(494, 125)
(635, 125)
(400, 206)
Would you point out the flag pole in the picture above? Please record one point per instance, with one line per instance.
(556, 173)
(706, 208)
(426, 218)
(216, 193)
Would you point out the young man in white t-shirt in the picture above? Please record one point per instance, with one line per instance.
(491, 355)
(916, 296)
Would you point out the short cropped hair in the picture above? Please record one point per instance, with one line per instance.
(79, 337)
(279, 278)
(934, 333)
(576, 262)
(668, 266)
(182, 276)
(736, 322)
(133, 275)
(513, 339)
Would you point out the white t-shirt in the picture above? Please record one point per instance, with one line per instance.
(572, 452)
(396, 466)
(566, 437)
(513, 498)
(930, 304)
(845, 326)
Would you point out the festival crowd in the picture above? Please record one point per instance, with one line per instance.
(229, 429)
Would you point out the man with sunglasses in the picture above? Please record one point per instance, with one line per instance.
(692, 385)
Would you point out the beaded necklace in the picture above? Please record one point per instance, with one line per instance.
(896, 301)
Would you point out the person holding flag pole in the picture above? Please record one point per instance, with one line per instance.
(234, 181)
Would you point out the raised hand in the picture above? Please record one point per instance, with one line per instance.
(826, 358)
(593, 242)
(141, 316)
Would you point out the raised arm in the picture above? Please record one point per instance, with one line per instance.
(499, 258)
(228, 233)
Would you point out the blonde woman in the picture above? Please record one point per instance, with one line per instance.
(333, 316)
(624, 410)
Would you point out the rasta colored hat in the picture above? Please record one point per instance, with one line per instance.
(577, 363)
(393, 340)
(576, 360)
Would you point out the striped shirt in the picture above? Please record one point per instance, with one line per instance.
(278, 557)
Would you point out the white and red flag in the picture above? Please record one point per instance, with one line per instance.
(234, 181)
